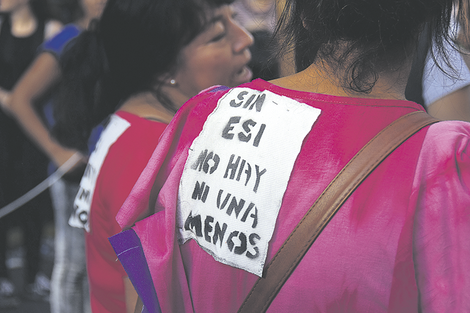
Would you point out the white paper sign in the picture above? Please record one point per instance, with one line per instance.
(237, 172)
(80, 216)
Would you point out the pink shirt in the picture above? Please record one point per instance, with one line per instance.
(398, 244)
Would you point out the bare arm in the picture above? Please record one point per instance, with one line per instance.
(131, 295)
(42, 75)
(454, 106)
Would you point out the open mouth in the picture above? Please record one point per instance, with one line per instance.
(244, 75)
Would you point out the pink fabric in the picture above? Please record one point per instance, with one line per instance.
(125, 161)
(399, 244)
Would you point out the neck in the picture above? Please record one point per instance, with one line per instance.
(84, 22)
(145, 105)
(23, 22)
(321, 78)
(177, 96)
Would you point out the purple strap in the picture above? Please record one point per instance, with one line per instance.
(219, 88)
(129, 250)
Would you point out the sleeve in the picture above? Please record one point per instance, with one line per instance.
(441, 245)
(129, 250)
(56, 44)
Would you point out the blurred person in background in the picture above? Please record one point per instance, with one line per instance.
(69, 288)
(25, 24)
(259, 18)
(442, 85)
(131, 72)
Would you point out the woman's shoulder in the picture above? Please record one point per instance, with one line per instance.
(447, 134)
(139, 123)
(446, 149)
(196, 109)
(209, 94)
(207, 99)
(56, 43)
(52, 28)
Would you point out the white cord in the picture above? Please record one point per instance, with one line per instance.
(42, 186)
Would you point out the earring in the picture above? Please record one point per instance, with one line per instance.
(173, 82)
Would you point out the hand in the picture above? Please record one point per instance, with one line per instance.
(75, 173)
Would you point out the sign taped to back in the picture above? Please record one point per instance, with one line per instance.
(82, 204)
(237, 172)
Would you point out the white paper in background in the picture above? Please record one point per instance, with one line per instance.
(82, 204)
(237, 172)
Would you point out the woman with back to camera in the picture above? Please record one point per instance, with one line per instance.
(237, 169)
(142, 61)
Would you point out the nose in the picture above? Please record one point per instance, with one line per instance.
(242, 38)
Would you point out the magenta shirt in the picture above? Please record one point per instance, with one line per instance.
(400, 243)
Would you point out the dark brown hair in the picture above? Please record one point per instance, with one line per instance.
(365, 37)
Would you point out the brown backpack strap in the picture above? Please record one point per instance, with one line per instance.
(324, 208)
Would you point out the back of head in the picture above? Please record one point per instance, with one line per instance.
(133, 47)
(364, 36)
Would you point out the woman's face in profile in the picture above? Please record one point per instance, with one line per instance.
(217, 56)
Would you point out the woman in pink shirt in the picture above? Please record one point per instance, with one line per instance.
(237, 169)
(131, 72)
